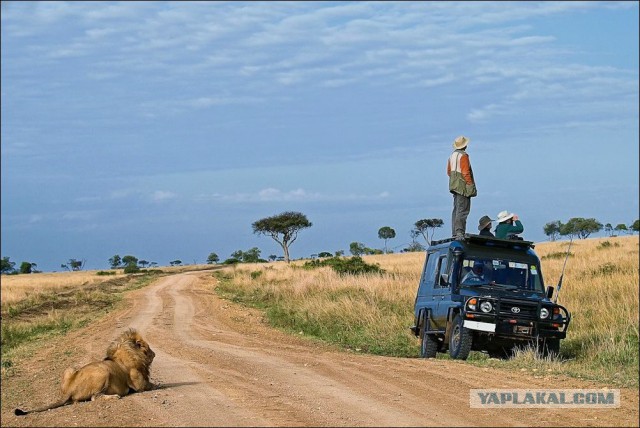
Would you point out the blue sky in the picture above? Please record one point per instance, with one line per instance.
(163, 130)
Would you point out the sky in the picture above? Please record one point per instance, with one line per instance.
(163, 130)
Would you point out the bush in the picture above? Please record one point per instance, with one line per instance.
(345, 266)
(105, 272)
(131, 268)
(558, 255)
(607, 244)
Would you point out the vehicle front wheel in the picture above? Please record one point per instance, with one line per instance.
(428, 342)
(549, 347)
(460, 340)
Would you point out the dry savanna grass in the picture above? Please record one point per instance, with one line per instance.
(18, 287)
(373, 313)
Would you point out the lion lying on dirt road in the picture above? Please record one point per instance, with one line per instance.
(126, 367)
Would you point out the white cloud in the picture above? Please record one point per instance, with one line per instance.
(271, 194)
(121, 193)
(483, 114)
(35, 218)
(77, 215)
(162, 195)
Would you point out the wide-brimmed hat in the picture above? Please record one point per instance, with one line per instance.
(460, 142)
(484, 222)
(504, 216)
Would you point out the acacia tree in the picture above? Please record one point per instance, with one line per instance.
(74, 265)
(552, 229)
(386, 233)
(425, 225)
(608, 228)
(130, 260)
(7, 266)
(357, 248)
(283, 228)
(28, 267)
(213, 259)
(249, 256)
(635, 226)
(621, 228)
(115, 261)
(581, 227)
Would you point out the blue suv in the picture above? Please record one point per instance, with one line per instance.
(485, 294)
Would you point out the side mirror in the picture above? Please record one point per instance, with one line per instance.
(550, 290)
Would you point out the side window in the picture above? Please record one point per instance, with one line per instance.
(442, 269)
(429, 273)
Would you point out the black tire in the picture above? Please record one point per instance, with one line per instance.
(460, 340)
(428, 342)
(549, 347)
(500, 353)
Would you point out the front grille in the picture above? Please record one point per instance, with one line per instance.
(526, 310)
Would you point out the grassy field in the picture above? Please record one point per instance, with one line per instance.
(368, 313)
(372, 313)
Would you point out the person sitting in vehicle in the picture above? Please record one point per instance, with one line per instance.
(476, 275)
(509, 226)
(485, 226)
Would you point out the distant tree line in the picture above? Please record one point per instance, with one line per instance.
(582, 228)
(284, 229)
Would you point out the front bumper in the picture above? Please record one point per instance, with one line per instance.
(525, 324)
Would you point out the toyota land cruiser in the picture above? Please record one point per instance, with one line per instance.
(485, 294)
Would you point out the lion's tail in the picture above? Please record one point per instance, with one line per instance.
(20, 412)
(66, 379)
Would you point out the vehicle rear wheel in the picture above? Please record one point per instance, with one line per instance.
(460, 340)
(428, 342)
(500, 353)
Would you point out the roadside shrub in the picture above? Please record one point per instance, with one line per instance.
(131, 268)
(346, 266)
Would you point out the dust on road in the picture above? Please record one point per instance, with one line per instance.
(219, 364)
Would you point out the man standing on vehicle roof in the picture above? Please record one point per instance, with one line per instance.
(461, 185)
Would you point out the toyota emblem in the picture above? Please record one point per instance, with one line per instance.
(515, 310)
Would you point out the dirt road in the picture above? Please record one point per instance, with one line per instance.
(218, 364)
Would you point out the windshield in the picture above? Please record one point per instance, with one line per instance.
(500, 272)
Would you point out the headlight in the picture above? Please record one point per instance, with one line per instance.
(486, 307)
(544, 313)
(472, 304)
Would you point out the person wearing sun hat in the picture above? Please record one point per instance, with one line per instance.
(508, 224)
(461, 185)
(484, 226)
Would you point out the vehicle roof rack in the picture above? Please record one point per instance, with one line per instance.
(488, 240)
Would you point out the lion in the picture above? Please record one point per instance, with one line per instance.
(126, 367)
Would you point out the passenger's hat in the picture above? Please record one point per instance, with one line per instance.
(484, 222)
(504, 216)
(460, 142)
